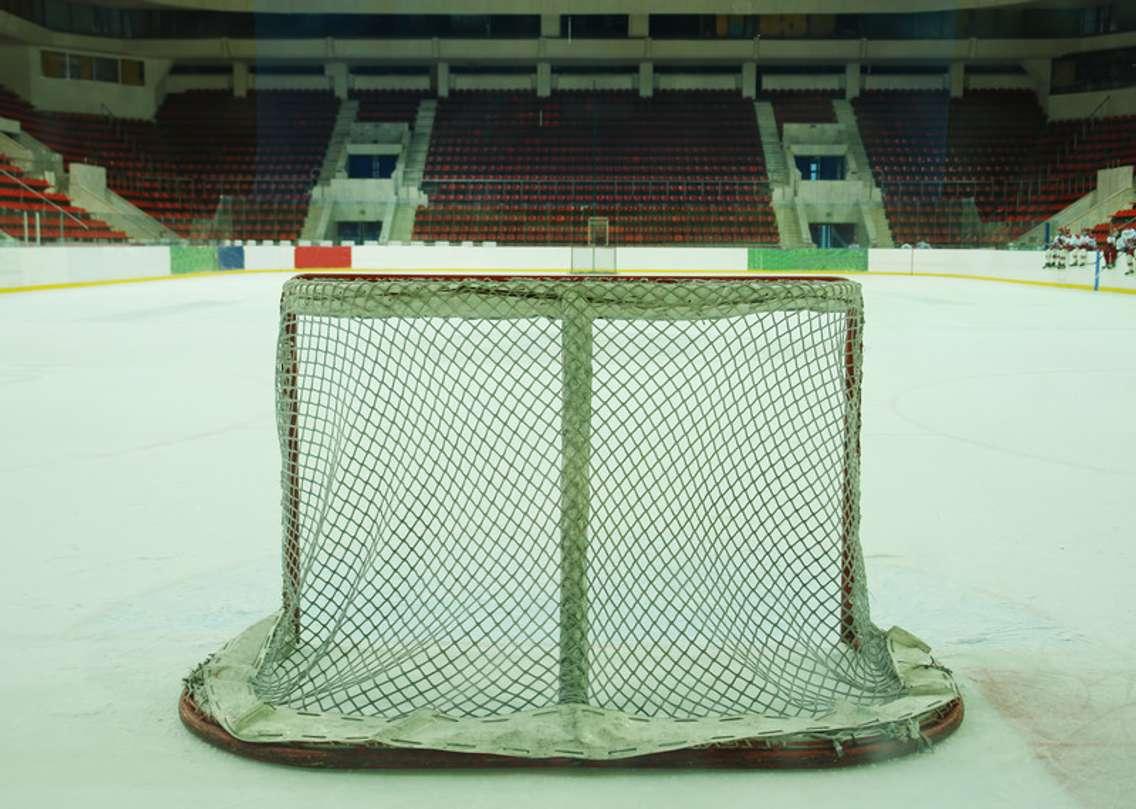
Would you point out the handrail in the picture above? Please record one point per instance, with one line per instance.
(27, 187)
(1097, 109)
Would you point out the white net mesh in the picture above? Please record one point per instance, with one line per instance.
(513, 501)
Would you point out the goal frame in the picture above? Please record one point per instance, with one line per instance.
(289, 387)
(869, 745)
(744, 754)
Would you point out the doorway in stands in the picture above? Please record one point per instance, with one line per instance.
(821, 167)
(833, 234)
(359, 232)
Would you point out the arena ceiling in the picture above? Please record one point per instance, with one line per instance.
(593, 6)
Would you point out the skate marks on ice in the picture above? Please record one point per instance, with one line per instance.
(987, 411)
(1080, 720)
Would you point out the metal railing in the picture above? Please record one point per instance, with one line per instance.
(33, 219)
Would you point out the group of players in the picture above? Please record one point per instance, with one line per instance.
(1077, 250)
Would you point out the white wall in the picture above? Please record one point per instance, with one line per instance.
(33, 266)
(284, 82)
(913, 82)
(95, 97)
(681, 81)
(389, 82)
(1012, 265)
(802, 82)
(597, 81)
(1000, 81)
(431, 257)
(182, 82)
(1081, 105)
(15, 69)
(269, 257)
(492, 82)
(681, 258)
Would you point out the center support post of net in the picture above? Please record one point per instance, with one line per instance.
(576, 429)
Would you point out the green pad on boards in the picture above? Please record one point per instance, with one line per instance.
(808, 259)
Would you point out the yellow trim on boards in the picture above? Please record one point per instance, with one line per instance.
(145, 279)
(449, 271)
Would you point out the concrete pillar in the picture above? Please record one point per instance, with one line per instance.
(543, 79)
(749, 80)
(646, 79)
(852, 81)
(550, 25)
(240, 79)
(337, 73)
(638, 26)
(443, 81)
(957, 79)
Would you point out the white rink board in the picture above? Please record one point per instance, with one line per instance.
(681, 258)
(51, 265)
(269, 257)
(459, 257)
(1011, 265)
(33, 266)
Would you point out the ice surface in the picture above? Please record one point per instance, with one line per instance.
(139, 513)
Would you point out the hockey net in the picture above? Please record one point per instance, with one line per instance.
(570, 519)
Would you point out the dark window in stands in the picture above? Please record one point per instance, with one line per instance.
(80, 67)
(495, 70)
(700, 70)
(201, 70)
(106, 70)
(57, 65)
(133, 72)
(592, 70)
(703, 26)
(593, 26)
(287, 70)
(53, 64)
(389, 70)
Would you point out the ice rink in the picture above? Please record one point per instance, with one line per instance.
(140, 512)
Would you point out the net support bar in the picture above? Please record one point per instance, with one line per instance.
(576, 425)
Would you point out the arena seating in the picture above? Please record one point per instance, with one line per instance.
(209, 156)
(682, 167)
(931, 153)
(22, 198)
(1067, 158)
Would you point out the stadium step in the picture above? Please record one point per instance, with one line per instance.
(775, 163)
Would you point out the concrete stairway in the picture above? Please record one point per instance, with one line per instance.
(876, 221)
(875, 215)
(402, 226)
(419, 143)
(86, 186)
(317, 220)
(336, 154)
(775, 163)
(789, 226)
(1116, 190)
(334, 158)
(846, 117)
